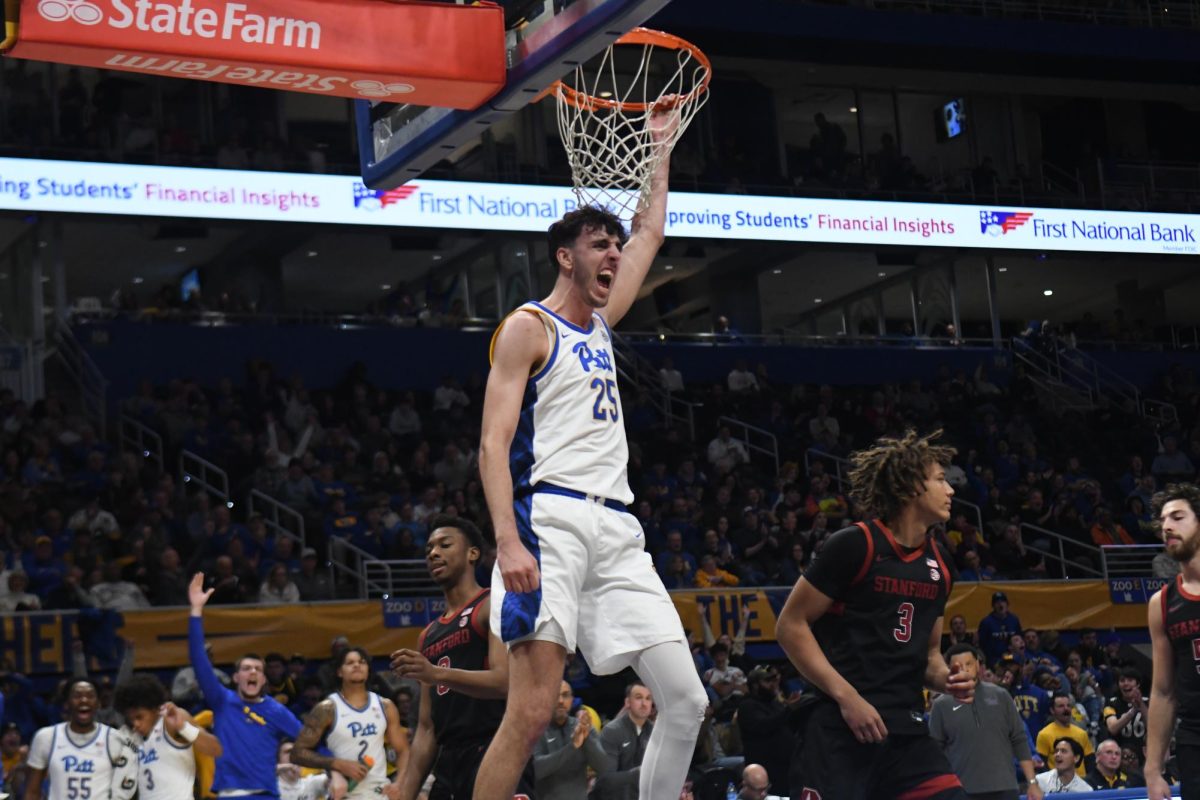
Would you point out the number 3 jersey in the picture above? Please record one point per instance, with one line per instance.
(459, 640)
(571, 430)
(94, 766)
(886, 601)
(166, 767)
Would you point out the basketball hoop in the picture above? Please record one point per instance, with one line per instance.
(604, 117)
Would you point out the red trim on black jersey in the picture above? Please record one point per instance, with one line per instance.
(913, 556)
(475, 614)
(931, 787)
(445, 618)
(1184, 593)
(1162, 600)
(866, 565)
(421, 638)
(937, 553)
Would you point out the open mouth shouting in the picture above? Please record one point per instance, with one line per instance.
(605, 278)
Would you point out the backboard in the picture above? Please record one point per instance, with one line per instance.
(397, 141)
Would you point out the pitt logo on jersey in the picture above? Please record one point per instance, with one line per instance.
(357, 729)
(148, 756)
(587, 359)
(73, 764)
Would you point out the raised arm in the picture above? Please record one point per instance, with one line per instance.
(214, 692)
(1161, 714)
(647, 230)
(424, 750)
(520, 344)
(304, 753)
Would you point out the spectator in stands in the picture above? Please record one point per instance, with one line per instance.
(116, 594)
(756, 783)
(624, 740)
(278, 588)
(974, 570)
(1106, 531)
(17, 599)
(1107, 774)
(1061, 726)
(675, 548)
(1012, 559)
(741, 380)
(824, 429)
(957, 633)
(185, 689)
(1172, 464)
(672, 378)
(997, 628)
(711, 576)
(280, 684)
(566, 751)
(724, 679)
(93, 518)
(725, 452)
(45, 570)
(228, 587)
(1064, 777)
(313, 584)
(763, 719)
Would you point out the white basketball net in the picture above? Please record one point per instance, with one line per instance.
(605, 123)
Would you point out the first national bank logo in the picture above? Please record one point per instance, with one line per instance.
(1001, 223)
(228, 21)
(378, 199)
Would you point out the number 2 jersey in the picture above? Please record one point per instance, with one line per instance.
(459, 640)
(1181, 620)
(359, 733)
(886, 601)
(99, 765)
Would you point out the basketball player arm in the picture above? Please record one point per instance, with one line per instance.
(37, 762)
(1161, 714)
(424, 749)
(520, 345)
(646, 231)
(176, 718)
(397, 739)
(805, 605)
(304, 752)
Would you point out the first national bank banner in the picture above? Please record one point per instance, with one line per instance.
(90, 188)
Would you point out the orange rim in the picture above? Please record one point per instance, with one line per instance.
(642, 36)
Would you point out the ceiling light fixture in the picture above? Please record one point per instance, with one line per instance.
(312, 253)
(387, 287)
(180, 248)
(139, 279)
(669, 267)
(1048, 292)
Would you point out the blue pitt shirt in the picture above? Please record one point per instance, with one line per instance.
(249, 732)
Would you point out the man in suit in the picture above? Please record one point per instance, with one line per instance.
(624, 740)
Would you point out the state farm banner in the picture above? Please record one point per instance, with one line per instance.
(135, 190)
(426, 53)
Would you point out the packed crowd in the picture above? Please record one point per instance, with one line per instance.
(87, 526)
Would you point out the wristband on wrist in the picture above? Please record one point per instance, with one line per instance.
(189, 732)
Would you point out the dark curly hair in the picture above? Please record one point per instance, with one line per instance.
(1187, 492)
(885, 477)
(140, 691)
(564, 232)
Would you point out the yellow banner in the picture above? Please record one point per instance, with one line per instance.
(40, 643)
(10, 23)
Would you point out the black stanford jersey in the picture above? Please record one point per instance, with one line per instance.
(886, 601)
(459, 640)
(1181, 620)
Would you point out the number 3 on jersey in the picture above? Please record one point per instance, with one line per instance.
(604, 388)
(904, 632)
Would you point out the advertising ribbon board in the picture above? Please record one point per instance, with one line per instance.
(425, 53)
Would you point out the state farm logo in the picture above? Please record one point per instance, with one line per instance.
(229, 21)
(81, 11)
(377, 89)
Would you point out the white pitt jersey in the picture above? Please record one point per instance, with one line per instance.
(166, 768)
(357, 733)
(84, 769)
(571, 432)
